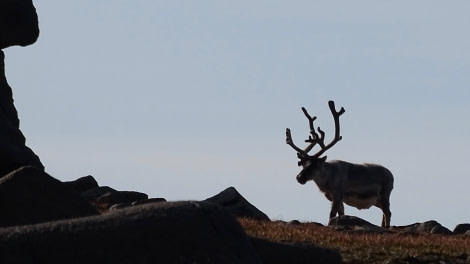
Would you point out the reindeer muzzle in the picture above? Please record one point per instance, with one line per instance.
(301, 178)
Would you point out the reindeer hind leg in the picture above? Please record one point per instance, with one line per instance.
(387, 214)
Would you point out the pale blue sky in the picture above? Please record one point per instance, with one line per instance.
(181, 99)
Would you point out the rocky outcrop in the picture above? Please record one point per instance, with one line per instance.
(232, 200)
(105, 198)
(29, 195)
(181, 232)
(18, 23)
(178, 232)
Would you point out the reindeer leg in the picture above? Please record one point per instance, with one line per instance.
(336, 206)
(341, 209)
(387, 214)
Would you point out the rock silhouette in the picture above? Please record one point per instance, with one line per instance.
(29, 196)
(45, 220)
(231, 199)
(18, 26)
(18, 23)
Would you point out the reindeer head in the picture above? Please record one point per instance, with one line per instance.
(309, 169)
(311, 163)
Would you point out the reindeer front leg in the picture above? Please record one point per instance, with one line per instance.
(341, 209)
(337, 206)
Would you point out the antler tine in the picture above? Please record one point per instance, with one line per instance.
(290, 142)
(310, 119)
(301, 154)
(336, 115)
(314, 138)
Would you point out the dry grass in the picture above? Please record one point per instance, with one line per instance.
(367, 247)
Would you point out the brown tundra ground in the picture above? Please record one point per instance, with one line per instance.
(367, 247)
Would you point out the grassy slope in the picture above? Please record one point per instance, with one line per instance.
(368, 247)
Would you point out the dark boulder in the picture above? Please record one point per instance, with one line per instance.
(433, 227)
(348, 220)
(29, 195)
(353, 223)
(427, 226)
(181, 232)
(430, 227)
(461, 229)
(231, 199)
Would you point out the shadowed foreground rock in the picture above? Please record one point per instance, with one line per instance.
(29, 196)
(277, 253)
(181, 232)
(232, 200)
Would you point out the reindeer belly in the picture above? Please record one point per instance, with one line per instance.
(362, 196)
(361, 202)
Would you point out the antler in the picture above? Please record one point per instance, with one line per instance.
(337, 137)
(314, 138)
(301, 154)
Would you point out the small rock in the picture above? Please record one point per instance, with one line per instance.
(294, 222)
(430, 227)
(461, 229)
(347, 220)
(427, 226)
(232, 200)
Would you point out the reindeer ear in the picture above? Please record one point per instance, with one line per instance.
(322, 159)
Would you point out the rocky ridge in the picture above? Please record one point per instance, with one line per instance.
(43, 220)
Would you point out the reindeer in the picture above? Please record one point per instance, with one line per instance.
(358, 185)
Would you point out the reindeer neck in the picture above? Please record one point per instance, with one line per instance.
(322, 175)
